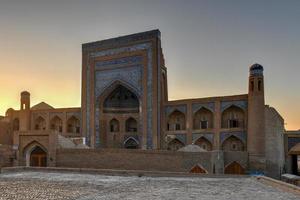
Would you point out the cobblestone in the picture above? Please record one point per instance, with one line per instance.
(44, 186)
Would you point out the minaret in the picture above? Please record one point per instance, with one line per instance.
(25, 111)
(25, 100)
(256, 119)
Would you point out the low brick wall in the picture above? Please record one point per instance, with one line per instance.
(6, 156)
(124, 159)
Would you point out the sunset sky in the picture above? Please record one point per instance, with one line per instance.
(208, 46)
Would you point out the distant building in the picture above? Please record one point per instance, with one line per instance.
(125, 106)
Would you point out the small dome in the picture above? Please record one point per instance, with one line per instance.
(256, 70)
(256, 67)
(25, 93)
(9, 112)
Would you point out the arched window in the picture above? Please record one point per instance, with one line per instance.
(233, 144)
(131, 143)
(56, 124)
(121, 100)
(176, 121)
(203, 119)
(131, 125)
(174, 145)
(114, 125)
(204, 144)
(73, 125)
(198, 169)
(259, 85)
(40, 123)
(233, 117)
(16, 124)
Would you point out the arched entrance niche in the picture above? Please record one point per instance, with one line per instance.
(36, 155)
(175, 144)
(198, 169)
(234, 168)
(119, 115)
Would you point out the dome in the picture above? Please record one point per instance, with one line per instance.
(256, 70)
(9, 111)
(256, 67)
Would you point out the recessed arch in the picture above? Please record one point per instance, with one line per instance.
(233, 117)
(176, 121)
(16, 124)
(35, 155)
(131, 125)
(120, 100)
(198, 169)
(234, 168)
(73, 125)
(175, 144)
(131, 143)
(233, 143)
(204, 143)
(203, 119)
(40, 123)
(56, 124)
(114, 125)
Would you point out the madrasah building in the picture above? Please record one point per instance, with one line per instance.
(126, 120)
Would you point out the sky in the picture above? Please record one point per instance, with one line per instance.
(208, 47)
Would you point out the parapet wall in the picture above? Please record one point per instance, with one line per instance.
(147, 160)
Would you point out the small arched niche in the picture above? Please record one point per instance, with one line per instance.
(56, 124)
(203, 119)
(131, 143)
(233, 143)
(204, 144)
(40, 123)
(73, 125)
(176, 121)
(114, 125)
(174, 145)
(131, 125)
(233, 117)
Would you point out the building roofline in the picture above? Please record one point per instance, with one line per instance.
(123, 39)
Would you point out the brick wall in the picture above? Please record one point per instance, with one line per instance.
(150, 160)
(6, 156)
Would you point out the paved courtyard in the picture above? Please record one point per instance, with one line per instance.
(41, 185)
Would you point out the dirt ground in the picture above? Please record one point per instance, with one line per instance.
(42, 185)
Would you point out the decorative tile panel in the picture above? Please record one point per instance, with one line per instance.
(241, 104)
(198, 106)
(241, 135)
(208, 136)
(170, 109)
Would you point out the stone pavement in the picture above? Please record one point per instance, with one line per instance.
(45, 185)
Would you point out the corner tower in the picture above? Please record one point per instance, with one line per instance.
(256, 119)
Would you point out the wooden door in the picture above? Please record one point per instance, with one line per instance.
(38, 158)
(234, 168)
(198, 170)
